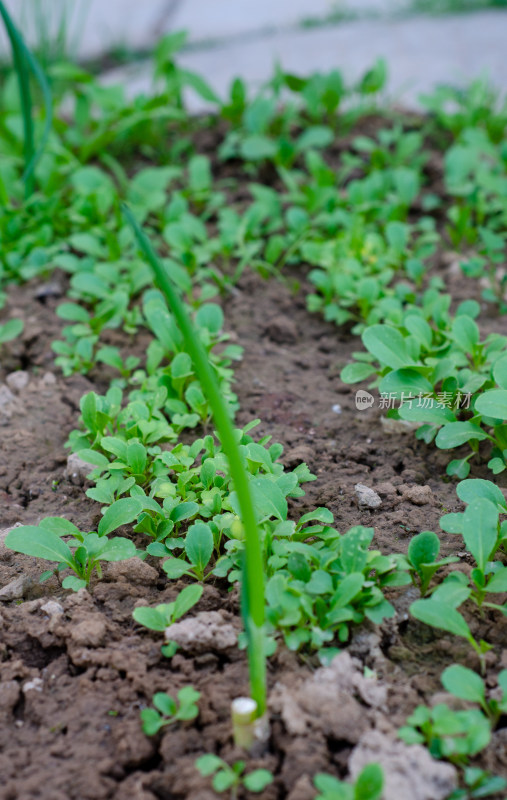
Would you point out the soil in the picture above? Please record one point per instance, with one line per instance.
(75, 669)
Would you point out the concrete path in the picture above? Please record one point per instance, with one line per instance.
(245, 37)
(97, 26)
(421, 53)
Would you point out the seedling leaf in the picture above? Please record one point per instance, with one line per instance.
(199, 545)
(40, 543)
(464, 683)
(119, 513)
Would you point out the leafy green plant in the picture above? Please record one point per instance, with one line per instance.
(430, 370)
(478, 783)
(483, 535)
(454, 735)
(477, 489)
(10, 330)
(108, 428)
(422, 558)
(368, 785)
(479, 106)
(185, 401)
(317, 591)
(82, 553)
(168, 711)
(227, 778)
(441, 611)
(176, 78)
(475, 176)
(357, 276)
(467, 685)
(188, 482)
(165, 614)
(198, 546)
(485, 264)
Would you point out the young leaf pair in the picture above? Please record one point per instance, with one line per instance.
(83, 552)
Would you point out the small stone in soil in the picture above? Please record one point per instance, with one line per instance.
(133, 570)
(16, 589)
(9, 405)
(35, 685)
(4, 551)
(52, 608)
(366, 497)
(9, 695)
(418, 495)
(208, 630)
(397, 426)
(91, 632)
(50, 289)
(17, 381)
(77, 470)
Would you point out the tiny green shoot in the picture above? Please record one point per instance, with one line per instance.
(226, 778)
(168, 711)
(368, 785)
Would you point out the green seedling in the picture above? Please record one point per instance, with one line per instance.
(187, 482)
(477, 489)
(82, 553)
(479, 783)
(422, 557)
(431, 369)
(467, 685)
(479, 106)
(76, 354)
(483, 535)
(316, 591)
(112, 357)
(199, 546)
(368, 785)
(165, 614)
(108, 427)
(176, 78)
(231, 779)
(485, 265)
(441, 611)
(454, 735)
(474, 174)
(355, 275)
(480, 532)
(184, 392)
(10, 330)
(168, 711)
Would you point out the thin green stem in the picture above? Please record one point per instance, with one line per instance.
(253, 583)
(23, 61)
(20, 65)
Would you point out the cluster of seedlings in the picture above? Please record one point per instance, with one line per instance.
(365, 226)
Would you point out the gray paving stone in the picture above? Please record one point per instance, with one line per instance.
(421, 53)
(93, 26)
(225, 18)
